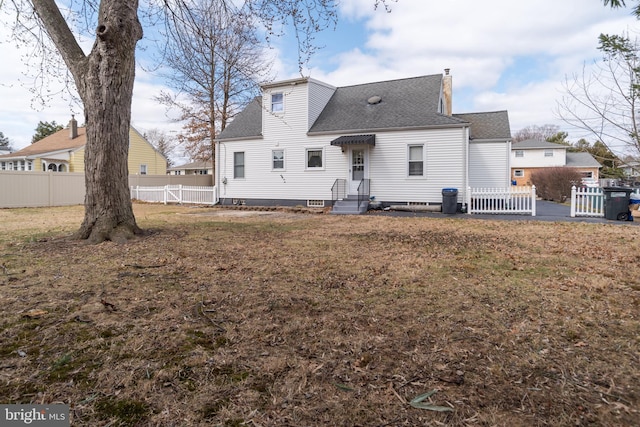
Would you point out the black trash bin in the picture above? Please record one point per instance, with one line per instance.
(449, 200)
(616, 203)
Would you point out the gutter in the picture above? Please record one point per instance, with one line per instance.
(398, 129)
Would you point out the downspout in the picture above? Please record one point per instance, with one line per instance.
(509, 179)
(216, 169)
(467, 196)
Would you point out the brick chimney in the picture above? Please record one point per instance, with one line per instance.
(447, 92)
(73, 128)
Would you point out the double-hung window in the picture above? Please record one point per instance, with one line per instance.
(277, 159)
(548, 153)
(416, 160)
(519, 153)
(277, 102)
(238, 164)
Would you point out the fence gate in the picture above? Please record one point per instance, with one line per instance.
(173, 194)
(176, 194)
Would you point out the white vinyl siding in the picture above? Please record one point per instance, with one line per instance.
(319, 95)
(445, 163)
(445, 157)
(289, 133)
(539, 158)
(489, 164)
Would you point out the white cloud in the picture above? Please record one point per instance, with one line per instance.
(503, 54)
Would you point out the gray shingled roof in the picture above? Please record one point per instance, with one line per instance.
(582, 160)
(247, 124)
(405, 103)
(490, 125)
(532, 144)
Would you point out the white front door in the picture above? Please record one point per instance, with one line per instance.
(358, 167)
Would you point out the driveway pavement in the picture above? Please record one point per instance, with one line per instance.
(545, 211)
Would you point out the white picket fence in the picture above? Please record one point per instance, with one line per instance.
(176, 194)
(588, 201)
(512, 200)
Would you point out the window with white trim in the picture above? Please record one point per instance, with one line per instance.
(238, 165)
(518, 173)
(519, 153)
(416, 160)
(314, 158)
(548, 153)
(277, 102)
(277, 159)
(143, 169)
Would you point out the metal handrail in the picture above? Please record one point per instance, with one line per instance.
(363, 191)
(338, 190)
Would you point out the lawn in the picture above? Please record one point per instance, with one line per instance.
(279, 318)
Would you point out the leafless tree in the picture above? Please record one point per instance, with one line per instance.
(542, 133)
(215, 61)
(162, 142)
(104, 79)
(604, 100)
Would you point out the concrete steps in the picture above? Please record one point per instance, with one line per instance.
(350, 206)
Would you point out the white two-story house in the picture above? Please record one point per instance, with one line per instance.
(305, 142)
(532, 155)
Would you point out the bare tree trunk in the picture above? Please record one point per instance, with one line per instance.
(104, 80)
(106, 88)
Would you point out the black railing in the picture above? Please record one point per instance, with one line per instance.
(339, 190)
(363, 191)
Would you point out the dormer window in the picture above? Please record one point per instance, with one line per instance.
(277, 102)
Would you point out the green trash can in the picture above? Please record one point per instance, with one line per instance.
(616, 203)
(449, 200)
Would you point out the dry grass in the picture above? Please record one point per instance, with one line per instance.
(279, 319)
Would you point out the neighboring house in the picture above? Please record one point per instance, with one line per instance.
(63, 151)
(194, 168)
(631, 170)
(397, 141)
(532, 155)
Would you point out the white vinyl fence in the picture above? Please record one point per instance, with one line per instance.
(588, 201)
(512, 200)
(176, 194)
(21, 189)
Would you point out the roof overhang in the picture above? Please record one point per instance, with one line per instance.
(355, 139)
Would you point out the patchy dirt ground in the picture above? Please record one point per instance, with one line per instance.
(292, 319)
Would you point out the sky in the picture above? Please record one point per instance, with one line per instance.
(503, 55)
